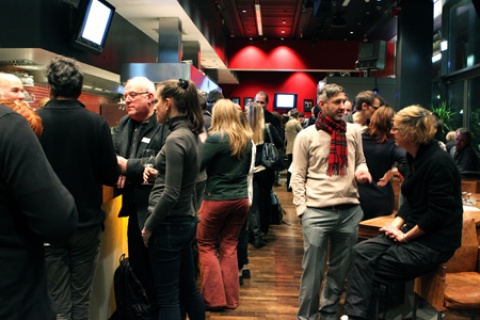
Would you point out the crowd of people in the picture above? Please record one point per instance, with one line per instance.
(208, 194)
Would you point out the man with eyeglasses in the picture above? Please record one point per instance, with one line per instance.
(366, 103)
(137, 131)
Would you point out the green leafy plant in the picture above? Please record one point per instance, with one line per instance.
(445, 115)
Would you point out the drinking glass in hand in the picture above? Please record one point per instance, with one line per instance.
(148, 161)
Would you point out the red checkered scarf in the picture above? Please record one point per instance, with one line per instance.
(338, 159)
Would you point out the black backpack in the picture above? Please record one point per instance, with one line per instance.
(130, 296)
(277, 211)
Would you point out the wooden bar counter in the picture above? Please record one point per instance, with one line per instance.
(370, 228)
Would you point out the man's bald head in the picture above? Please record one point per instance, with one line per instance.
(11, 87)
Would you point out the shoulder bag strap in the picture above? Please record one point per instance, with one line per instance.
(269, 133)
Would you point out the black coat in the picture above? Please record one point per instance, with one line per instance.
(433, 193)
(78, 144)
(34, 208)
(153, 135)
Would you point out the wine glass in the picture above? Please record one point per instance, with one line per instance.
(148, 161)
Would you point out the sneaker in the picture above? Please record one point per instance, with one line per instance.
(246, 274)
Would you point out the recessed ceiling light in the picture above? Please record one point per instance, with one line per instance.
(283, 31)
(351, 32)
(250, 38)
(282, 39)
(244, 11)
(284, 22)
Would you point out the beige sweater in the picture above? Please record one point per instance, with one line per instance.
(311, 185)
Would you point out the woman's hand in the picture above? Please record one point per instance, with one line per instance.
(388, 175)
(149, 175)
(146, 234)
(385, 179)
(393, 233)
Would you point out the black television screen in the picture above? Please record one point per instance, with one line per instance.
(367, 50)
(92, 28)
(285, 101)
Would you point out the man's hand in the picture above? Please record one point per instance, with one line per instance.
(121, 182)
(122, 163)
(146, 234)
(363, 176)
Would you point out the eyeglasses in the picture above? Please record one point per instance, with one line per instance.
(260, 102)
(375, 107)
(133, 95)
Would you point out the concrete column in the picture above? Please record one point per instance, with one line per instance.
(191, 51)
(169, 40)
(414, 53)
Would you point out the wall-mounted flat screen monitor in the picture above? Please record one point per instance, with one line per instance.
(285, 100)
(95, 18)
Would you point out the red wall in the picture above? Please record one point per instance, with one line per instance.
(292, 55)
(279, 66)
(304, 84)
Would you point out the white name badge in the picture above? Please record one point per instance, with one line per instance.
(146, 140)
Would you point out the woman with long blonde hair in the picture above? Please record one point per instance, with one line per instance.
(226, 157)
(263, 178)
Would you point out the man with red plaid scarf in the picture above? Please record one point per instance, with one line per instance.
(328, 163)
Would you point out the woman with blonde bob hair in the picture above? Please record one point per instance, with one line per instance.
(428, 226)
(227, 159)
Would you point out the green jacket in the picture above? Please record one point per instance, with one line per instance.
(227, 175)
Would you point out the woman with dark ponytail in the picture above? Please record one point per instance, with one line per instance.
(171, 224)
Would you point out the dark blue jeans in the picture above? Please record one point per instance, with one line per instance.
(172, 263)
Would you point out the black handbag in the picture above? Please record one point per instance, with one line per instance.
(271, 157)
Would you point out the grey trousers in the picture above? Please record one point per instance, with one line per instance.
(321, 227)
(70, 272)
